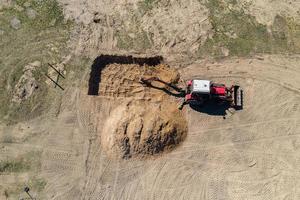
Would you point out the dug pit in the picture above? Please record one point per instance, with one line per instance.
(142, 119)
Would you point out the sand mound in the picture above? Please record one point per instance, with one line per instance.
(142, 129)
(143, 120)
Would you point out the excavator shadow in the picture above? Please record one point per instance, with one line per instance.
(178, 95)
(171, 89)
(212, 108)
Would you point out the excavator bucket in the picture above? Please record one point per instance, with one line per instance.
(238, 97)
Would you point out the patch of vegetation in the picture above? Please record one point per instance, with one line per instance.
(13, 166)
(233, 29)
(145, 6)
(77, 66)
(133, 37)
(38, 184)
(36, 39)
(7, 138)
(286, 34)
(26, 162)
(139, 41)
(49, 13)
(242, 35)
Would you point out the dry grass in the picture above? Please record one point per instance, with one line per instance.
(35, 40)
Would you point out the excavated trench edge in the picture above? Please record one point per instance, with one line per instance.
(103, 60)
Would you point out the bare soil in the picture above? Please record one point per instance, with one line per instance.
(75, 150)
(144, 120)
(244, 156)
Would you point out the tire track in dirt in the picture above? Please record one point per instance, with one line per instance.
(264, 163)
(249, 158)
(290, 132)
(198, 147)
(246, 124)
(256, 141)
(90, 157)
(286, 86)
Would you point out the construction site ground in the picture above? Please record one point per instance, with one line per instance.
(252, 154)
(59, 140)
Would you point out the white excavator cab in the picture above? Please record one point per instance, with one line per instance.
(200, 86)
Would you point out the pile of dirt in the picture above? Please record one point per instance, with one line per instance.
(140, 128)
(27, 84)
(146, 120)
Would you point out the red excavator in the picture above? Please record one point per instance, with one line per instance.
(200, 91)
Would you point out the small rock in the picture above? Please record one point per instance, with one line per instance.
(53, 22)
(99, 18)
(31, 14)
(1, 32)
(225, 51)
(227, 113)
(131, 35)
(36, 64)
(252, 163)
(231, 110)
(15, 23)
(19, 8)
(259, 58)
(27, 4)
(96, 18)
(65, 21)
(32, 66)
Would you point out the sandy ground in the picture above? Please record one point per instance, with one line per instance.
(141, 121)
(180, 28)
(265, 11)
(174, 28)
(252, 154)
